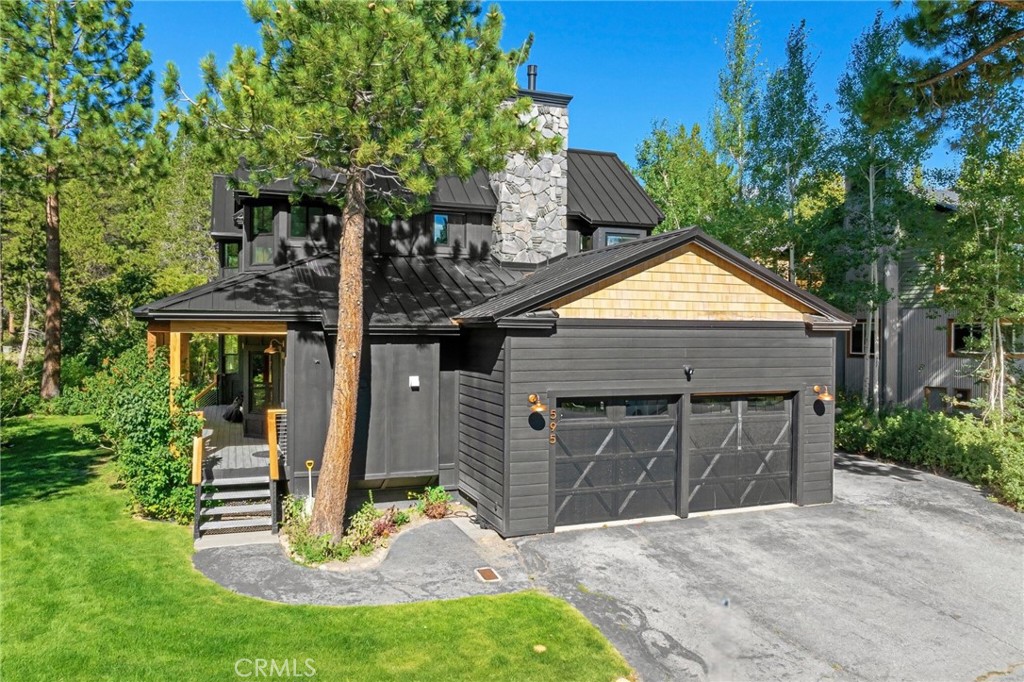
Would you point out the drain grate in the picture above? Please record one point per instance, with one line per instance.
(487, 574)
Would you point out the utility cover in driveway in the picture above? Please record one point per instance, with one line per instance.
(741, 451)
(615, 458)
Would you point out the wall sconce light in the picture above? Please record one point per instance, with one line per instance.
(535, 404)
(823, 394)
(688, 371)
(274, 347)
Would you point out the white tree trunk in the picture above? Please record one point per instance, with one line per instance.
(24, 328)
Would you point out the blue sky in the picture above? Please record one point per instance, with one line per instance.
(626, 63)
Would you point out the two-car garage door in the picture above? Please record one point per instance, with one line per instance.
(618, 458)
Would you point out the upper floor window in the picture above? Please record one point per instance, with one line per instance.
(964, 339)
(441, 221)
(305, 220)
(856, 343)
(613, 238)
(262, 230)
(229, 255)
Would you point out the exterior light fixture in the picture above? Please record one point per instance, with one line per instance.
(823, 394)
(273, 347)
(535, 404)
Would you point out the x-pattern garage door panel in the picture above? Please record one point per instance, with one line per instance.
(607, 470)
(741, 452)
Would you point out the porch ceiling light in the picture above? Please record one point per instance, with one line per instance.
(535, 404)
(823, 394)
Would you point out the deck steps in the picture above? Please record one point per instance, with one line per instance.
(231, 495)
(235, 525)
(234, 505)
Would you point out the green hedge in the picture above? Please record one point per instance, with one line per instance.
(152, 442)
(982, 451)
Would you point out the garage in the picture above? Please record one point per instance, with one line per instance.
(740, 451)
(615, 458)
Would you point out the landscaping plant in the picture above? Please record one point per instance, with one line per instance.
(434, 502)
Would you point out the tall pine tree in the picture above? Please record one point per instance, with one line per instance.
(399, 91)
(77, 99)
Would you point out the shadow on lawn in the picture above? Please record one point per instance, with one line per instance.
(41, 462)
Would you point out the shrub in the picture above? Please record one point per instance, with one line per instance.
(152, 443)
(434, 502)
(19, 391)
(309, 548)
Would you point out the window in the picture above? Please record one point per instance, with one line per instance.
(964, 339)
(711, 404)
(586, 241)
(305, 220)
(766, 403)
(440, 229)
(262, 235)
(230, 354)
(855, 341)
(613, 238)
(1013, 339)
(262, 220)
(229, 255)
(577, 408)
(646, 407)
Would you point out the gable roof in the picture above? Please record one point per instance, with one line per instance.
(602, 191)
(575, 272)
(401, 293)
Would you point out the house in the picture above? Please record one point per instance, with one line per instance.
(528, 345)
(926, 355)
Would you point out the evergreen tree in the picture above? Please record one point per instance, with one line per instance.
(397, 92)
(683, 177)
(969, 49)
(77, 96)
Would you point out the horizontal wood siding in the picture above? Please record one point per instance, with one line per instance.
(583, 360)
(481, 424)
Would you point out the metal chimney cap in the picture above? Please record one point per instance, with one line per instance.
(531, 77)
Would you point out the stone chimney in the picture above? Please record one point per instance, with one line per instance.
(530, 221)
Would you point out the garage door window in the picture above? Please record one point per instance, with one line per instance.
(615, 408)
(766, 403)
(711, 405)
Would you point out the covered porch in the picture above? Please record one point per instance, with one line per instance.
(240, 397)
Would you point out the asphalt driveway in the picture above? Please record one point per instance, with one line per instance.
(906, 576)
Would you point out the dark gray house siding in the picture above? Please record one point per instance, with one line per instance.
(482, 410)
(309, 377)
(609, 359)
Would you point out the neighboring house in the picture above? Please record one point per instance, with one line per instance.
(528, 345)
(926, 352)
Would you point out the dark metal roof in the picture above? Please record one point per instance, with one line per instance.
(575, 272)
(402, 293)
(602, 191)
(474, 193)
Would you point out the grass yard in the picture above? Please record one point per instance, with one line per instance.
(90, 593)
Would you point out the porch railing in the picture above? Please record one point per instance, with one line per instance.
(208, 395)
(277, 439)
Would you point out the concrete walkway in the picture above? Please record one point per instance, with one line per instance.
(433, 561)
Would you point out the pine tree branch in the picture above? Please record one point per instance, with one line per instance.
(957, 68)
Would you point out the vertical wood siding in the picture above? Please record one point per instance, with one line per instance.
(588, 360)
(482, 402)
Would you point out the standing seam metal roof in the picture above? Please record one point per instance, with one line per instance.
(603, 191)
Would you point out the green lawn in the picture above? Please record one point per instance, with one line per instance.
(90, 593)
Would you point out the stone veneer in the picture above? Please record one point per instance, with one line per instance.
(530, 221)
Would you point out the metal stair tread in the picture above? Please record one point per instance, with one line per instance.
(261, 508)
(258, 522)
(236, 494)
(235, 482)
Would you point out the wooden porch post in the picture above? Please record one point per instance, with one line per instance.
(178, 359)
(156, 336)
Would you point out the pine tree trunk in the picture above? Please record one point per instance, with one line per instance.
(332, 485)
(865, 396)
(876, 362)
(25, 328)
(50, 385)
(10, 323)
